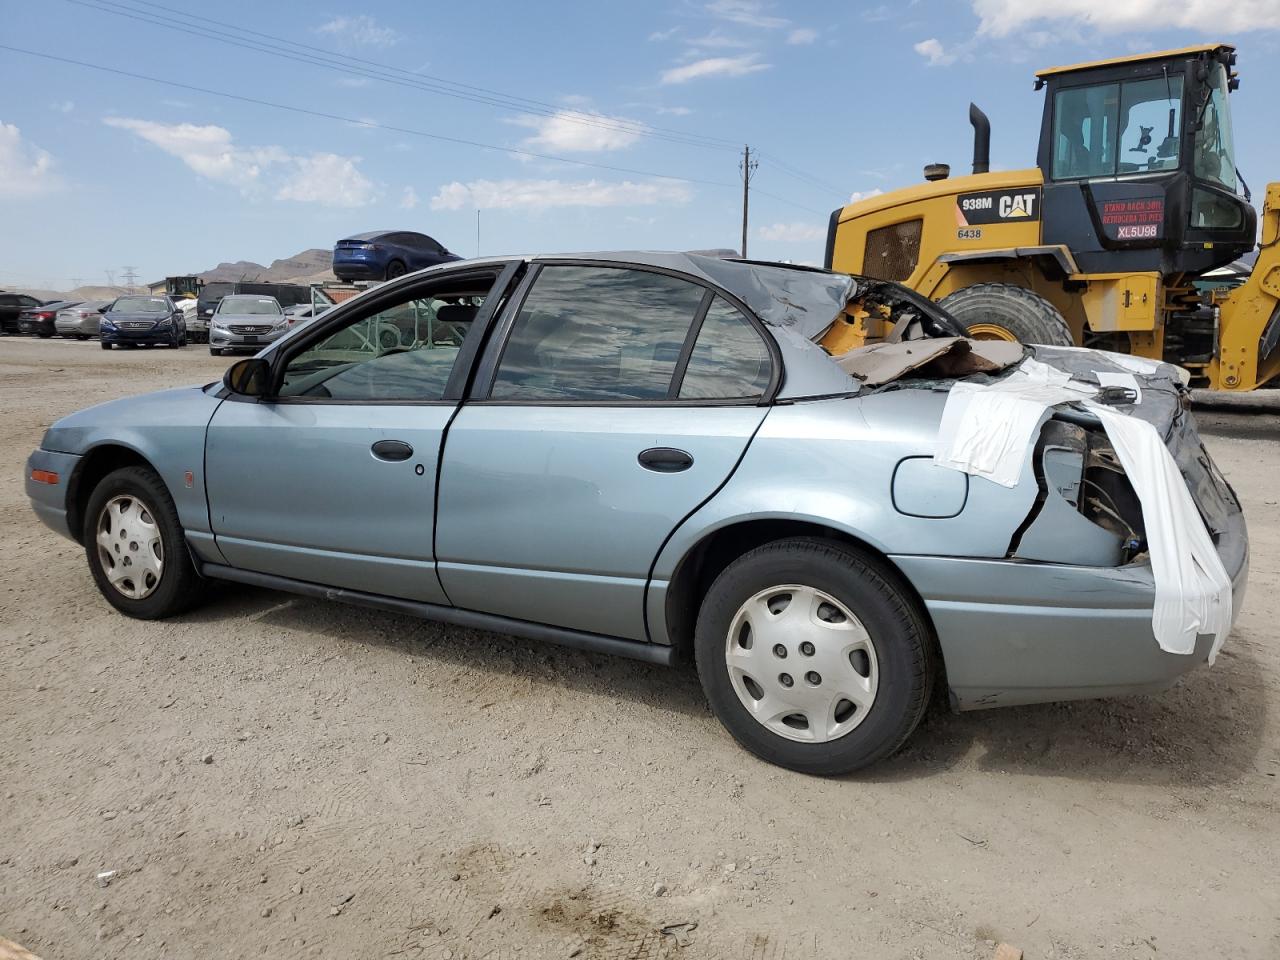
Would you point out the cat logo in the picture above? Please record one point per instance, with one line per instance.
(1017, 205)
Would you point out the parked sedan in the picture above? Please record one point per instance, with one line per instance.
(143, 321)
(386, 254)
(80, 321)
(246, 321)
(40, 320)
(11, 307)
(654, 455)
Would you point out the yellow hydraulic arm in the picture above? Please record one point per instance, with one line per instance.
(1250, 314)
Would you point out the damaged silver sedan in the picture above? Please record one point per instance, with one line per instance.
(664, 455)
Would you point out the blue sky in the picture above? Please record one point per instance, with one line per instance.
(99, 170)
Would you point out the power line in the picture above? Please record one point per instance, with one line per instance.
(394, 75)
(372, 124)
(408, 131)
(333, 60)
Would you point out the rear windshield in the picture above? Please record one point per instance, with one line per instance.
(141, 305)
(249, 305)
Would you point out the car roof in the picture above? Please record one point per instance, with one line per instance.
(375, 234)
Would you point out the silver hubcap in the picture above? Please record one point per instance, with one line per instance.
(129, 547)
(801, 663)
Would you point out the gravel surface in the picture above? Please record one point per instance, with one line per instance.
(279, 777)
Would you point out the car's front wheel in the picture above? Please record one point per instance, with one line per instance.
(135, 546)
(814, 656)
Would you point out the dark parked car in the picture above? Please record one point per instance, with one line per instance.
(11, 307)
(39, 320)
(132, 321)
(384, 254)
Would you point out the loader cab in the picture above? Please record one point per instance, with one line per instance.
(1139, 163)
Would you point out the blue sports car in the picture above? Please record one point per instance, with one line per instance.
(662, 456)
(386, 254)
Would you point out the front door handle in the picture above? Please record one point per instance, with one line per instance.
(393, 450)
(665, 459)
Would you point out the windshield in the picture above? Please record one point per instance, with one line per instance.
(141, 305)
(1215, 150)
(1117, 128)
(254, 306)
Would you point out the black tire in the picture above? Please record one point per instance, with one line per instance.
(388, 339)
(215, 352)
(877, 597)
(179, 587)
(105, 346)
(395, 268)
(1026, 316)
(82, 336)
(44, 336)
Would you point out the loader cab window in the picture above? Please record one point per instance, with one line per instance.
(1117, 128)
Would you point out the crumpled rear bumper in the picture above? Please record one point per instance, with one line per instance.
(1043, 632)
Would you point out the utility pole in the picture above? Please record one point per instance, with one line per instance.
(130, 276)
(748, 169)
(477, 231)
(111, 277)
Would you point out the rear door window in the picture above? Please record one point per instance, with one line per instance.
(594, 333)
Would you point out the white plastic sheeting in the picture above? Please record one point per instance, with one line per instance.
(1193, 591)
(988, 430)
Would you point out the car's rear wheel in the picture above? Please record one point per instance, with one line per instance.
(215, 352)
(135, 546)
(814, 656)
(395, 268)
(105, 346)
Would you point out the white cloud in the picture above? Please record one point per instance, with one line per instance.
(546, 194)
(25, 169)
(208, 150)
(408, 199)
(864, 194)
(354, 82)
(715, 40)
(581, 131)
(714, 67)
(360, 31)
(211, 152)
(659, 35)
(792, 232)
(63, 106)
(802, 36)
(675, 111)
(749, 13)
(329, 180)
(934, 52)
(1002, 17)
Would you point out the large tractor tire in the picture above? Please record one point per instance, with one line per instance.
(1002, 311)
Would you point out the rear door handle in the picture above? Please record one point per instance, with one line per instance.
(665, 459)
(393, 450)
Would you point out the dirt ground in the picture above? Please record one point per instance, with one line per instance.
(280, 777)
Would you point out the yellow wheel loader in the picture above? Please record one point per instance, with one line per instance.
(1134, 196)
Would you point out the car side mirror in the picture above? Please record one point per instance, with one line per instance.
(248, 377)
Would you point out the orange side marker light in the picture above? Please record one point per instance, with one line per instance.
(44, 476)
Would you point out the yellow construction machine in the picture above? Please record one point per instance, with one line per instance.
(1135, 195)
